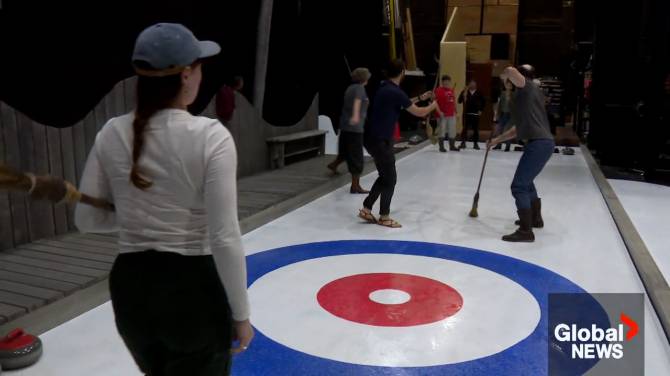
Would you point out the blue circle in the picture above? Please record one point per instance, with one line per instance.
(527, 357)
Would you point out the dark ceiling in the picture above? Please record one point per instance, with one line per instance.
(60, 58)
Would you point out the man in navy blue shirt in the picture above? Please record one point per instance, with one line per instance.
(388, 103)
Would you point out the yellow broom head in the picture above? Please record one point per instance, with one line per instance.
(475, 203)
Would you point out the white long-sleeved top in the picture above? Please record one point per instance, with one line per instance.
(190, 209)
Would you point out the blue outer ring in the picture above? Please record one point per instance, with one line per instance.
(527, 357)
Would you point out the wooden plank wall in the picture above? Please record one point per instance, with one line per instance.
(30, 146)
(250, 131)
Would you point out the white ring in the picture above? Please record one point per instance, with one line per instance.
(287, 296)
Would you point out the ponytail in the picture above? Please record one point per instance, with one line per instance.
(153, 94)
(140, 122)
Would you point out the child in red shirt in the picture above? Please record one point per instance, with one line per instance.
(446, 114)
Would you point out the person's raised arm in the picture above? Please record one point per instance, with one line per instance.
(514, 76)
(422, 111)
(425, 96)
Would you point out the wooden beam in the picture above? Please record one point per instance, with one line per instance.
(262, 53)
(392, 42)
(410, 47)
(6, 235)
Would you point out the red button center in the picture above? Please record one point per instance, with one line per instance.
(349, 298)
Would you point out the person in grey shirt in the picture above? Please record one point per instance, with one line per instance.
(532, 126)
(352, 120)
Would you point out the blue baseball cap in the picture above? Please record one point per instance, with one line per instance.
(166, 48)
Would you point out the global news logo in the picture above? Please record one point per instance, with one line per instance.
(597, 343)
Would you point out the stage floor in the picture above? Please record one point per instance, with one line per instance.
(648, 206)
(325, 286)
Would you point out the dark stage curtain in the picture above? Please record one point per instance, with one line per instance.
(59, 58)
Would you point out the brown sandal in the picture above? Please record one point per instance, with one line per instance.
(388, 222)
(333, 168)
(367, 216)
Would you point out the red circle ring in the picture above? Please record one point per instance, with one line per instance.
(349, 299)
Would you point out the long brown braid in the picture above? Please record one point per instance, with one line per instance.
(153, 95)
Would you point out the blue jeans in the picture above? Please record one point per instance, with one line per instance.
(535, 156)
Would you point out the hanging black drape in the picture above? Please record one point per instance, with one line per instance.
(59, 58)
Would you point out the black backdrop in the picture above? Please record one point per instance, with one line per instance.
(631, 61)
(59, 58)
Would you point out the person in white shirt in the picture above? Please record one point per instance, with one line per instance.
(179, 285)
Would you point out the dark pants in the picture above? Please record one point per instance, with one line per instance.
(351, 151)
(172, 313)
(382, 152)
(535, 156)
(471, 122)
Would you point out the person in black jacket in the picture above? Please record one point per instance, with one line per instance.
(474, 105)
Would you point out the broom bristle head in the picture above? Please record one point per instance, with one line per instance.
(475, 203)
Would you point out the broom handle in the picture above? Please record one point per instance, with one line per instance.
(73, 195)
(96, 202)
(486, 156)
(437, 77)
(14, 180)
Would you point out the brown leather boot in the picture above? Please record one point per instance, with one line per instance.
(356, 186)
(536, 209)
(524, 233)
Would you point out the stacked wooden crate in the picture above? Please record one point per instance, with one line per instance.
(500, 17)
